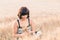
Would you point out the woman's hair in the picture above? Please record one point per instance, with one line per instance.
(23, 11)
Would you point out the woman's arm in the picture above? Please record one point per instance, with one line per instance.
(33, 25)
(15, 26)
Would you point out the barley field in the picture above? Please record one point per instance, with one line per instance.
(48, 24)
(45, 13)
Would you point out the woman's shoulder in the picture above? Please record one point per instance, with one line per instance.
(31, 21)
(15, 22)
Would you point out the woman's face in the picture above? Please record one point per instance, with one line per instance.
(24, 16)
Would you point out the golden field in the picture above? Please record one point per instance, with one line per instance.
(45, 13)
(49, 24)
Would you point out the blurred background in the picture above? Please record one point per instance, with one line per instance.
(45, 12)
(10, 7)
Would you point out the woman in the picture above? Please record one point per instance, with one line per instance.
(23, 26)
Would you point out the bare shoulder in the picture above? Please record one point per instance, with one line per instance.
(31, 21)
(15, 23)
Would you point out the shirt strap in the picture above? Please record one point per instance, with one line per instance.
(18, 23)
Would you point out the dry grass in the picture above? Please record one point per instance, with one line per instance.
(50, 26)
